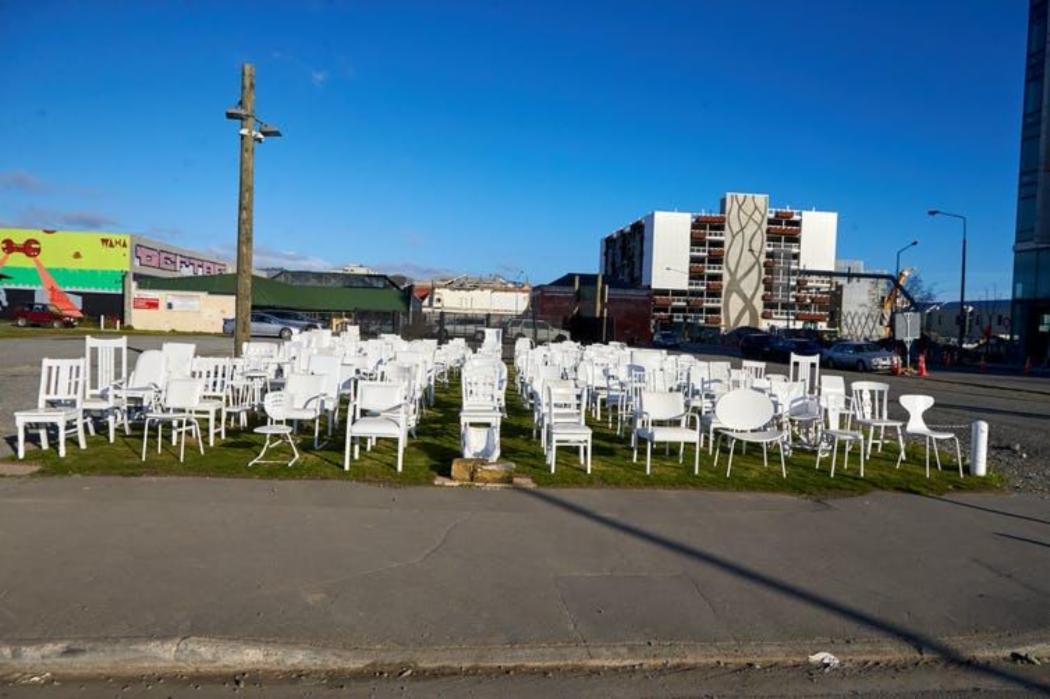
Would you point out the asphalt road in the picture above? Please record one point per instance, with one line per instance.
(464, 577)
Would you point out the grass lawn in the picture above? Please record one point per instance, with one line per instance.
(438, 443)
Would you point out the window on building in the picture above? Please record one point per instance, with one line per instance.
(1025, 219)
(1025, 268)
(1033, 96)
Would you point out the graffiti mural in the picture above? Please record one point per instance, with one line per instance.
(148, 257)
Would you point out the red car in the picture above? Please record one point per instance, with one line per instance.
(42, 314)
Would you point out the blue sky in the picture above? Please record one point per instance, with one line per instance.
(509, 137)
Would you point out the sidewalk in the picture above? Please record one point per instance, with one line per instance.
(108, 572)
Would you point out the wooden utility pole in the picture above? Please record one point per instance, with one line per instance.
(246, 201)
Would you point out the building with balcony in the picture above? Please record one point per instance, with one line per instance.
(744, 266)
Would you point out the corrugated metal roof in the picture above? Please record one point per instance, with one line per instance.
(268, 293)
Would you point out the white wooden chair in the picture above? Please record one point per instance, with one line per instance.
(60, 401)
(215, 373)
(380, 412)
(178, 409)
(746, 416)
(564, 409)
(838, 428)
(805, 367)
(757, 370)
(916, 405)
(664, 418)
(106, 362)
(870, 401)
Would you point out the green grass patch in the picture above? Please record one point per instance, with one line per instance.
(431, 454)
(12, 331)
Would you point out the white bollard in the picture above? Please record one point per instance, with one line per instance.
(979, 448)
(102, 322)
(118, 326)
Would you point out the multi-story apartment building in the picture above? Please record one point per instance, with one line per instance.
(743, 266)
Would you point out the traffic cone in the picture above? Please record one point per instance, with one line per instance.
(1027, 365)
(922, 364)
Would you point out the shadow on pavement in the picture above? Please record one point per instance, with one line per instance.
(990, 510)
(916, 639)
(1021, 538)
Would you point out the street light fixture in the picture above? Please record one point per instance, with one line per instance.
(243, 112)
(962, 276)
(897, 274)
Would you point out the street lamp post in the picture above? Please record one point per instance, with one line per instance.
(962, 276)
(897, 274)
(244, 112)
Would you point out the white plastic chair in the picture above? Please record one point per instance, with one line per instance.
(305, 398)
(106, 362)
(178, 357)
(329, 366)
(59, 402)
(916, 405)
(274, 404)
(145, 386)
(380, 412)
(564, 410)
(181, 401)
(667, 407)
(745, 416)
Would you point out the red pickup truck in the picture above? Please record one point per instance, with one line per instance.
(42, 314)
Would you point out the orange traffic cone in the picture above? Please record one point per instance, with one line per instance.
(922, 364)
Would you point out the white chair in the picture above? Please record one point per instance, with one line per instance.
(106, 362)
(59, 402)
(305, 401)
(274, 404)
(870, 401)
(178, 357)
(805, 367)
(756, 370)
(838, 428)
(916, 405)
(181, 402)
(745, 416)
(329, 366)
(667, 407)
(145, 386)
(380, 412)
(564, 410)
(215, 374)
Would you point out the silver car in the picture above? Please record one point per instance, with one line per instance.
(271, 325)
(862, 356)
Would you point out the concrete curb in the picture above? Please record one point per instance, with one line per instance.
(209, 656)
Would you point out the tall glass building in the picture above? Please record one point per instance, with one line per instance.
(1031, 293)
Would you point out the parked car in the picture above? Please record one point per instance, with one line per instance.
(862, 356)
(755, 345)
(665, 338)
(541, 331)
(780, 349)
(42, 314)
(265, 324)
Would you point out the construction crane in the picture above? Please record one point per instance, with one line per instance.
(890, 302)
